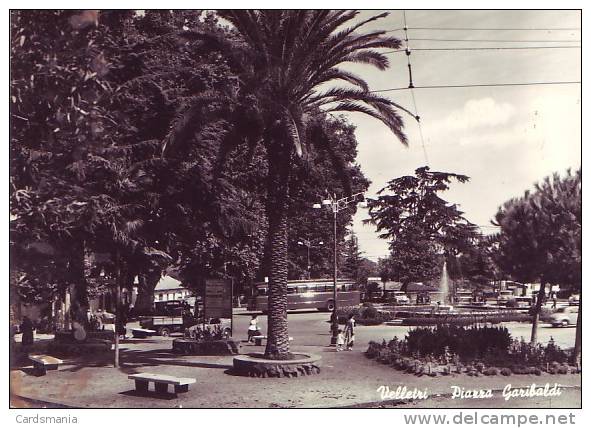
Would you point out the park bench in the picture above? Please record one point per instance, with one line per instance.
(258, 340)
(142, 333)
(161, 382)
(42, 363)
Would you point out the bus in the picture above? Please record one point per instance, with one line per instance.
(309, 294)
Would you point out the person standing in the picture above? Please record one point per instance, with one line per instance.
(340, 340)
(253, 328)
(27, 330)
(350, 332)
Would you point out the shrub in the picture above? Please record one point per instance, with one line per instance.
(505, 371)
(491, 371)
(468, 342)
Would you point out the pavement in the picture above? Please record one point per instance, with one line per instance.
(347, 379)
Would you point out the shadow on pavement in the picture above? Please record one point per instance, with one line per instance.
(149, 394)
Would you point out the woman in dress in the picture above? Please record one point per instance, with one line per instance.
(350, 332)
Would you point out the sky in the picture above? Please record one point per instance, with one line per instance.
(504, 138)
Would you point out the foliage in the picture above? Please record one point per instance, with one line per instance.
(540, 237)
(419, 224)
(422, 352)
(470, 342)
(466, 320)
(540, 233)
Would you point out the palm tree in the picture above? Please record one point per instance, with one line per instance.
(285, 62)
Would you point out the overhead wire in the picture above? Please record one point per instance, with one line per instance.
(477, 85)
(486, 48)
(488, 29)
(430, 39)
(411, 86)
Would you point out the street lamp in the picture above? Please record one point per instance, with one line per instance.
(337, 205)
(309, 245)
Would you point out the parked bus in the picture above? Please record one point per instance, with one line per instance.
(309, 294)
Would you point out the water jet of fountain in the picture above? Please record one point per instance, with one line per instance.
(444, 285)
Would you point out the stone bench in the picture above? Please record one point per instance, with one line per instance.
(42, 363)
(161, 382)
(258, 340)
(142, 333)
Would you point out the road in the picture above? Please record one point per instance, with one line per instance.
(311, 328)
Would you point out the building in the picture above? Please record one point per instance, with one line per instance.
(169, 288)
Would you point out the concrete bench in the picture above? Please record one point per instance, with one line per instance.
(258, 340)
(142, 333)
(161, 382)
(42, 363)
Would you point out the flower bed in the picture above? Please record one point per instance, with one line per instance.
(365, 315)
(475, 351)
(465, 319)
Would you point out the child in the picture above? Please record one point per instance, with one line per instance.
(349, 332)
(253, 328)
(340, 341)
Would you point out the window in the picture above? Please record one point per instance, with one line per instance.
(160, 296)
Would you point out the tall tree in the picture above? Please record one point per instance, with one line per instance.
(419, 224)
(540, 238)
(285, 56)
(58, 124)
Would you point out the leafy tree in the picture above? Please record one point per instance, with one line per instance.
(351, 257)
(419, 224)
(58, 123)
(540, 237)
(475, 264)
(209, 222)
(310, 185)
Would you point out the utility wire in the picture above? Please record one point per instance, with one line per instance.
(486, 48)
(411, 86)
(475, 85)
(485, 29)
(495, 40)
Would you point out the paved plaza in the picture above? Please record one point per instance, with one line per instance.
(347, 379)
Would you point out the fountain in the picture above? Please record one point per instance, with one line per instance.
(445, 304)
(444, 284)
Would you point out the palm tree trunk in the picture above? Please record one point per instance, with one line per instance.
(277, 203)
(536, 315)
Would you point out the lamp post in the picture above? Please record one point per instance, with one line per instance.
(336, 205)
(308, 245)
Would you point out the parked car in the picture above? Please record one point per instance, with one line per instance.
(564, 317)
(574, 299)
(520, 302)
(397, 297)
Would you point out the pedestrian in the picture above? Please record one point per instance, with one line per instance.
(27, 330)
(121, 327)
(340, 341)
(350, 332)
(253, 328)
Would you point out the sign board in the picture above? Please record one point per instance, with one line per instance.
(218, 298)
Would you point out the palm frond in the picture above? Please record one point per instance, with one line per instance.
(393, 121)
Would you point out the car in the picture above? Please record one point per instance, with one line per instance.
(397, 297)
(564, 317)
(574, 299)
